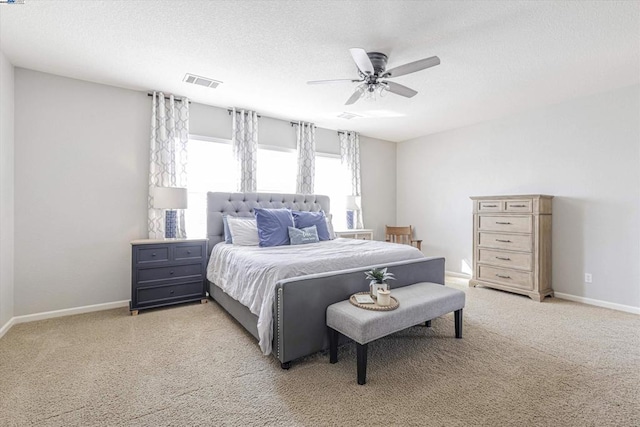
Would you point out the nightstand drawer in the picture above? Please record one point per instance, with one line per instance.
(192, 271)
(515, 242)
(508, 224)
(518, 206)
(153, 295)
(153, 254)
(490, 206)
(520, 261)
(188, 252)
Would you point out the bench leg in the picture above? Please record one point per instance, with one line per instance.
(458, 323)
(362, 363)
(333, 345)
(427, 323)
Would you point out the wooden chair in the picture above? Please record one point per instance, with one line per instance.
(402, 235)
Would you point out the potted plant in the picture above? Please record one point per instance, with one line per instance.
(378, 280)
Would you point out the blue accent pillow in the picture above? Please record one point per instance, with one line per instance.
(302, 236)
(307, 219)
(273, 226)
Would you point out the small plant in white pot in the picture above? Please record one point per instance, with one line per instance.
(378, 280)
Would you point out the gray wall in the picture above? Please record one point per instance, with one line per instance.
(6, 189)
(81, 166)
(585, 152)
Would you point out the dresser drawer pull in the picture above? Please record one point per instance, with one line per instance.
(503, 241)
(503, 277)
(490, 206)
(153, 254)
(171, 272)
(503, 259)
(503, 223)
(189, 252)
(518, 206)
(171, 292)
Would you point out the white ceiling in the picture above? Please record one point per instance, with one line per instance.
(497, 57)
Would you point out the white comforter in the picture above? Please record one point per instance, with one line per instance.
(249, 273)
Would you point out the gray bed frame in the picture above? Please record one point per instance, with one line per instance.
(301, 302)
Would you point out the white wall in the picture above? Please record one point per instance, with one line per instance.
(81, 166)
(81, 171)
(6, 189)
(378, 158)
(585, 152)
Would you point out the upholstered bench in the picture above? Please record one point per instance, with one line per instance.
(419, 303)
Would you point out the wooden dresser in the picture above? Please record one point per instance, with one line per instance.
(512, 244)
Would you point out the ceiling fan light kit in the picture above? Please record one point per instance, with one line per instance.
(372, 68)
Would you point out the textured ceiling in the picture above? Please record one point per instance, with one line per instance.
(497, 57)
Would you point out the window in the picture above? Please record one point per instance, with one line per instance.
(210, 168)
(333, 180)
(277, 170)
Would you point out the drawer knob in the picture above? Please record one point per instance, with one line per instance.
(503, 223)
(503, 259)
(490, 206)
(503, 241)
(188, 252)
(171, 292)
(171, 272)
(153, 254)
(518, 206)
(503, 277)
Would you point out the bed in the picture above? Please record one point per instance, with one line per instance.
(280, 294)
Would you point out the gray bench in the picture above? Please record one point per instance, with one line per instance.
(419, 303)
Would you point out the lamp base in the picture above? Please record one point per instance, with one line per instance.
(350, 220)
(170, 224)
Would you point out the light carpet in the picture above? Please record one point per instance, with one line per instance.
(520, 363)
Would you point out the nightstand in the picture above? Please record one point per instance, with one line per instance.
(360, 233)
(166, 272)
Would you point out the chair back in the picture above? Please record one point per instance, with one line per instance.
(402, 235)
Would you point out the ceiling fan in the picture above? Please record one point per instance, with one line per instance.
(373, 74)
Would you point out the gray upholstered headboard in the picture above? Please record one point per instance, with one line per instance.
(242, 204)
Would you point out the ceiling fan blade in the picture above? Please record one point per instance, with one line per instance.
(412, 67)
(320, 82)
(400, 89)
(356, 95)
(362, 60)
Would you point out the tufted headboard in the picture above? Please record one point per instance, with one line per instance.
(242, 204)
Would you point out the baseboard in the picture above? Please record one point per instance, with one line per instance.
(598, 303)
(456, 274)
(5, 328)
(60, 313)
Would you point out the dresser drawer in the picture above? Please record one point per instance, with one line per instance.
(152, 254)
(162, 273)
(510, 224)
(148, 295)
(518, 206)
(519, 279)
(516, 242)
(188, 253)
(515, 260)
(490, 205)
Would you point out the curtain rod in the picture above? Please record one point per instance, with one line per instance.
(229, 110)
(297, 123)
(346, 131)
(166, 97)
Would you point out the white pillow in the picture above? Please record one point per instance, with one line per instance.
(244, 232)
(332, 234)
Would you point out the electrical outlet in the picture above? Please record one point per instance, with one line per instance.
(588, 278)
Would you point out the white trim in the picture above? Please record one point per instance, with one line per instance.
(598, 303)
(210, 139)
(328, 155)
(277, 148)
(5, 328)
(456, 274)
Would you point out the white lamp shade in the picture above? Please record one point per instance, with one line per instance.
(353, 203)
(169, 198)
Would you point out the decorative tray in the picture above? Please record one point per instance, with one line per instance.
(375, 307)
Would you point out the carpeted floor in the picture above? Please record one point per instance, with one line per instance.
(520, 363)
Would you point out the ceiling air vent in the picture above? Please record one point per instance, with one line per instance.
(347, 116)
(200, 81)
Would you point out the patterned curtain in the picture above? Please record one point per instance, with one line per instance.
(306, 136)
(350, 157)
(168, 156)
(244, 137)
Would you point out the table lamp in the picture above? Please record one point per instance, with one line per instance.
(352, 205)
(170, 199)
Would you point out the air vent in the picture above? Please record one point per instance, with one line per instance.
(348, 116)
(200, 81)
